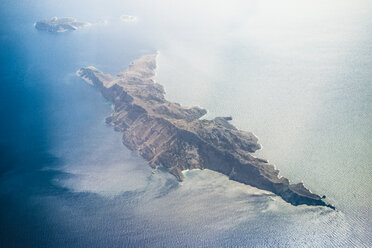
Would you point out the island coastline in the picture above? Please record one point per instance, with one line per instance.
(170, 135)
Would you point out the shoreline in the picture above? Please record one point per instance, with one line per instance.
(176, 137)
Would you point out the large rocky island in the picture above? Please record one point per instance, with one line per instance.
(170, 135)
(59, 25)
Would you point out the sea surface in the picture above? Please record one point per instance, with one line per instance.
(295, 73)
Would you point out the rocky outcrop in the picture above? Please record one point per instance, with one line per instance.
(170, 135)
(58, 25)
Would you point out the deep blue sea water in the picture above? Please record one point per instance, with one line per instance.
(67, 181)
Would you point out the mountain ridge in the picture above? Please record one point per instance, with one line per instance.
(170, 135)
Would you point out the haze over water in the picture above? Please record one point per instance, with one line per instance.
(295, 73)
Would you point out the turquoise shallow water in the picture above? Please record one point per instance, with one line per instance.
(297, 75)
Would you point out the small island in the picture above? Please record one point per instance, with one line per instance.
(128, 18)
(170, 135)
(59, 25)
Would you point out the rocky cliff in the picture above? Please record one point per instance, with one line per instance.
(170, 135)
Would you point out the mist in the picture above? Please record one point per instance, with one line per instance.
(295, 73)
